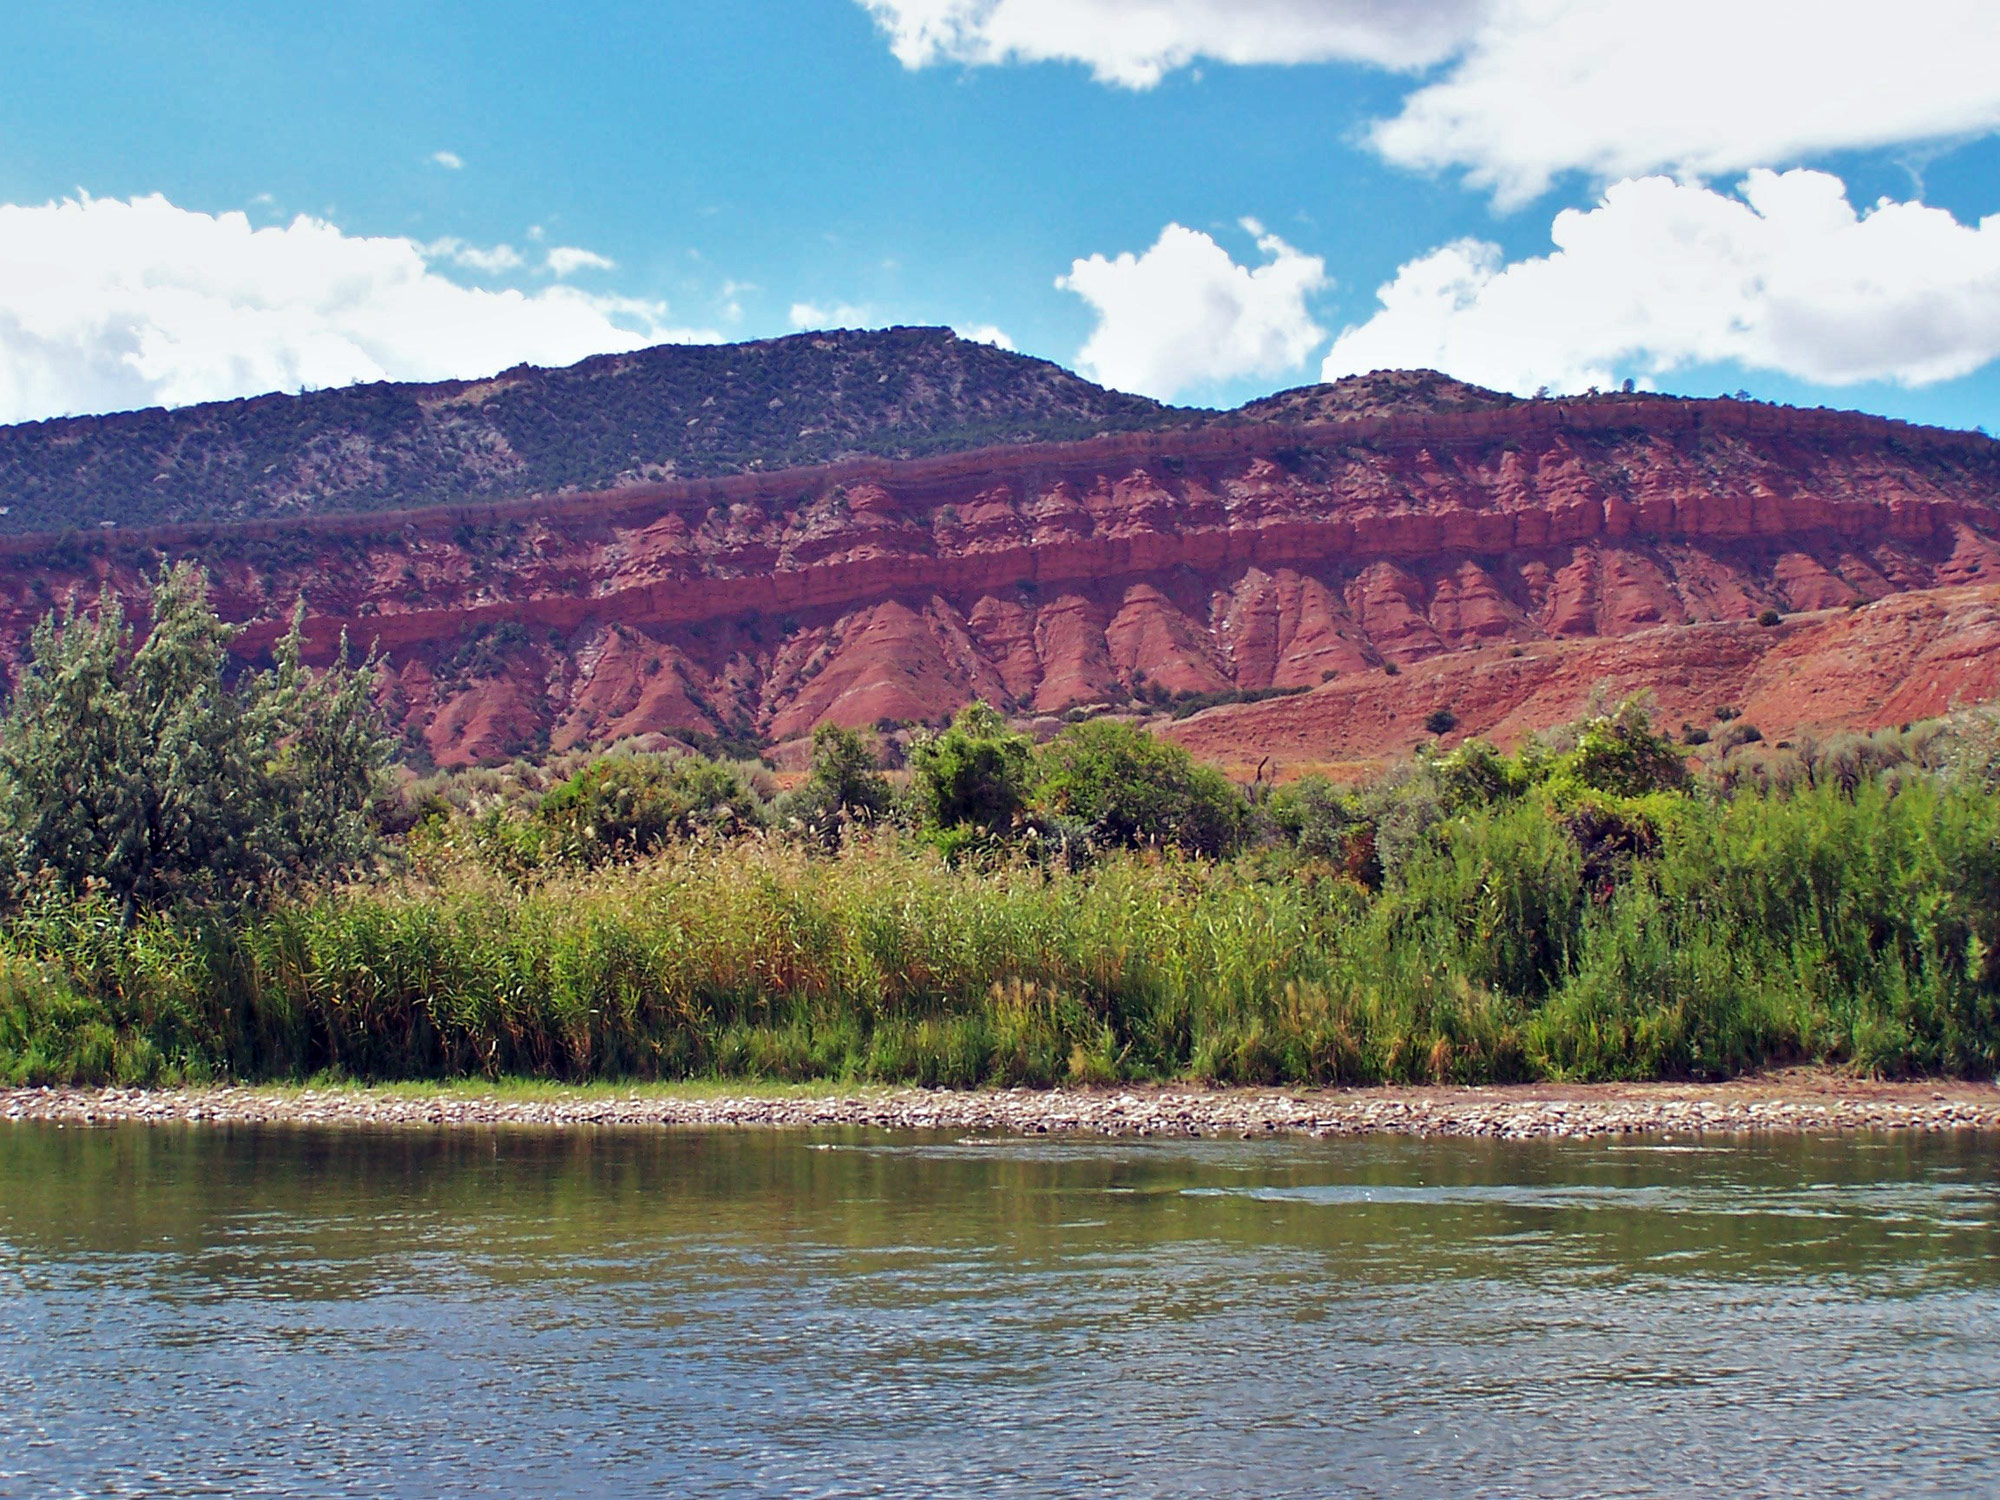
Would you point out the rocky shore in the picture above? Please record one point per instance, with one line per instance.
(1786, 1102)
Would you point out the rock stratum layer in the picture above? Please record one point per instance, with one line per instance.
(1494, 560)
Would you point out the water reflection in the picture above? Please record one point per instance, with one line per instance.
(761, 1312)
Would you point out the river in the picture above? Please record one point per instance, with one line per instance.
(253, 1311)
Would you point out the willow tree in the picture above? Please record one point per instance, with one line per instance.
(140, 769)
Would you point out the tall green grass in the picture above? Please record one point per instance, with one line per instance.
(1857, 929)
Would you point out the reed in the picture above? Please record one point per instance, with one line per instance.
(1855, 926)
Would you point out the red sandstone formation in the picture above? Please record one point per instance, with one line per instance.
(1504, 559)
(1908, 656)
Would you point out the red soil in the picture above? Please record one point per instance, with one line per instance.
(1909, 656)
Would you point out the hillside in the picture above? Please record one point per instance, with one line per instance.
(1326, 568)
(1378, 394)
(667, 412)
(671, 412)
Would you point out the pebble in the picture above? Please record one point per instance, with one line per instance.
(1817, 1102)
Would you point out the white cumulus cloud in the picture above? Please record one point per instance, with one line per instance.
(108, 305)
(451, 161)
(1135, 43)
(567, 260)
(1786, 275)
(1525, 90)
(985, 333)
(841, 315)
(1184, 314)
(490, 260)
(1615, 88)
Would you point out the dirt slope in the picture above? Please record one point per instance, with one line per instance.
(1908, 656)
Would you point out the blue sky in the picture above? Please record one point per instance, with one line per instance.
(482, 184)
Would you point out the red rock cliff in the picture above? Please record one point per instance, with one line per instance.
(1228, 558)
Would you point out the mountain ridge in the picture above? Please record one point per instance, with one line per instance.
(42, 500)
(670, 411)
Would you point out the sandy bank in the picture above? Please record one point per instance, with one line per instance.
(1786, 1102)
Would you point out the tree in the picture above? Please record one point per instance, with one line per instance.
(1476, 775)
(973, 775)
(1619, 752)
(1133, 789)
(143, 773)
(1319, 818)
(330, 747)
(842, 786)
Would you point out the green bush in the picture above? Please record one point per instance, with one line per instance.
(1477, 775)
(1860, 931)
(1130, 790)
(975, 775)
(1575, 910)
(1618, 753)
(626, 806)
(1324, 823)
(843, 787)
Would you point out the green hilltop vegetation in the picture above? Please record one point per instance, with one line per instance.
(683, 411)
(675, 411)
(207, 879)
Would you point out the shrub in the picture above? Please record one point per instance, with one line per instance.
(1440, 721)
(1738, 735)
(625, 806)
(1315, 815)
(1326, 824)
(1770, 617)
(973, 775)
(1128, 788)
(1967, 748)
(1185, 705)
(1611, 835)
(1401, 808)
(1510, 937)
(842, 787)
(1619, 753)
(1477, 775)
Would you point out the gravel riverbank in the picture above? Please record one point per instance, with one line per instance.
(1786, 1102)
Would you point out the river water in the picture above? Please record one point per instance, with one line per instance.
(514, 1312)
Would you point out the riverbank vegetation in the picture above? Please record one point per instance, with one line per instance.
(1099, 908)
